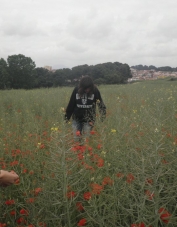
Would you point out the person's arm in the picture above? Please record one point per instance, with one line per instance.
(7, 178)
(71, 105)
(101, 105)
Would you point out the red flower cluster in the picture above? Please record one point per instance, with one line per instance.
(2, 225)
(138, 225)
(107, 180)
(78, 133)
(30, 200)
(96, 188)
(10, 202)
(13, 213)
(164, 215)
(149, 181)
(37, 191)
(14, 163)
(130, 178)
(98, 160)
(71, 194)
(149, 194)
(87, 195)
(24, 212)
(21, 220)
(79, 206)
(120, 175)
(82, 222)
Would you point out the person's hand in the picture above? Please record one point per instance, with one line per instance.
(7, 178)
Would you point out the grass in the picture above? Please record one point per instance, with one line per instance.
(123, 175)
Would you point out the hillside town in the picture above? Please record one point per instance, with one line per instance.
(150, 74)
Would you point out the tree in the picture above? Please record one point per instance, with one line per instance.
(4, 75)
(43, 78)
(21, 71)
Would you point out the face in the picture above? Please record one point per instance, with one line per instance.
(87, 90)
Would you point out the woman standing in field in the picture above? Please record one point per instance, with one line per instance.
(82, 107)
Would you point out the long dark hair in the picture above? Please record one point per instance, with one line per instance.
(86, 82)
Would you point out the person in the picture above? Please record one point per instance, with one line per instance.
(82, 107)
(7, 178)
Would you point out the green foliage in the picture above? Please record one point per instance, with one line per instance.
(43, 78)
(21, 71)
(163, 68)
(4, 75)
(128, 164)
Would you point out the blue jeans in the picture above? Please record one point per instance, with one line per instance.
(83, 127)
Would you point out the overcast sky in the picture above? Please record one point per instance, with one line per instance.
(68, 33)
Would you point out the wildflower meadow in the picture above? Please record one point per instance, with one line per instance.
(124, 174)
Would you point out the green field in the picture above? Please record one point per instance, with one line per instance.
(124, 174)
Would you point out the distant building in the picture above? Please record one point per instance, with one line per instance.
(48, 67)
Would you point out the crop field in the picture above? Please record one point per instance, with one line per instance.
(124, 174)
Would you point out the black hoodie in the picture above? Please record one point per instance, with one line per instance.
(83, 108)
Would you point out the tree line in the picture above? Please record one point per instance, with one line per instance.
(152, 67)
(20, 72)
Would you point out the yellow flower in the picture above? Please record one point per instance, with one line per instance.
(54, 129)
(62, 109)
(113, 130)
(97, 101)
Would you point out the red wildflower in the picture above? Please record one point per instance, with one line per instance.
(138, 225)
(82, 222)
(25, 171)
(37, 190)
(17, 181)
(31, 172)
(79, 206)
(87, 195)
(30, 200)
(96, 188)
(92, 132)
(15, 152)
(149, 194)
(99, 146)
(78, 133)
(107, 180)
(2, 225)
(20, 220)
(42, 224)
(10, 202)
(24, 212)
(13, 213)
(44, 133)
(42, 146)
(90, 148)
(71, 194)
(88, 167)
(80, 156)
(100, 162)
(130, 178)
(164, 215)
(149, 181)
(120, 175)
(168, 135)
(164, 161)
(14, 163)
